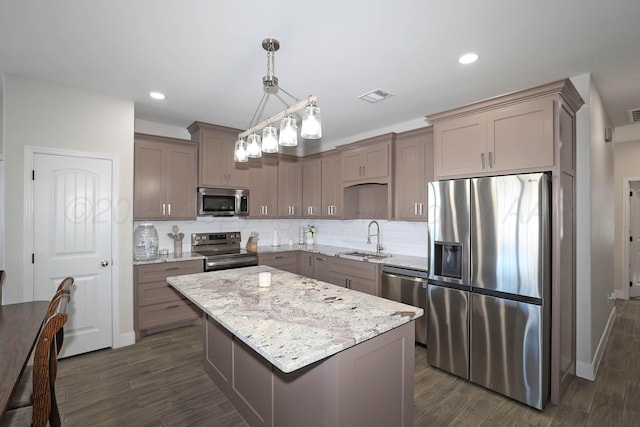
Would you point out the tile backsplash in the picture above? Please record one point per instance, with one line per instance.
(398, 237)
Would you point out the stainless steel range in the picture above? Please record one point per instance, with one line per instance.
(222, 250)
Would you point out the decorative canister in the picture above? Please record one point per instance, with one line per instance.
(145, 242)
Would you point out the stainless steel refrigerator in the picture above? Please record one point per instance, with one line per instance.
(489, 283)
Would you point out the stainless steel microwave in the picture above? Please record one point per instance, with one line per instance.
(222, 202)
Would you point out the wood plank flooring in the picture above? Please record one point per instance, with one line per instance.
(159, 381)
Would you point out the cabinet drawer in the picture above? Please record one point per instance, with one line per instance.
(156, 315)
(156, 293)
(287, 261)
(159, 272)
(353, 268)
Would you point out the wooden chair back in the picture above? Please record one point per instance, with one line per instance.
(45, 367)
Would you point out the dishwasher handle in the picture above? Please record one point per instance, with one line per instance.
(402, 271)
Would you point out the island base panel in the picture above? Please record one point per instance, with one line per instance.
(369, 384)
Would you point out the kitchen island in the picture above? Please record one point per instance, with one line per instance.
(305, 352)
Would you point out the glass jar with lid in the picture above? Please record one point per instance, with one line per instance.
(145, 242)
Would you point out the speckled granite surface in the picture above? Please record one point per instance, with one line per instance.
(419, 263)
(186, 256)
(296, 321)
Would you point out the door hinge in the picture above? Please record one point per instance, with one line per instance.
(630, 284)
(33, 174)
(631, 238)
(630, 193)
(33, 258)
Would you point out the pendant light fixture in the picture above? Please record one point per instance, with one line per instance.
(255, 145)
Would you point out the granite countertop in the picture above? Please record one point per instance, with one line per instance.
(296, 321)
(186, 256)
(419, 263)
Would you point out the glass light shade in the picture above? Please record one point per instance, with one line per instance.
(240, 151)
(311, 122)
(270, 139)
(288, 132)
(254, 146)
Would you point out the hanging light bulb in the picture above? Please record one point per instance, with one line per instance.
(311, 123)
(288, 132)
(240, 151)
(254, 148)
(270, 139)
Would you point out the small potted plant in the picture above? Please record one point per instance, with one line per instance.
(310, 232)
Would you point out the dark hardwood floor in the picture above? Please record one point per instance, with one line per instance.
(160, 382)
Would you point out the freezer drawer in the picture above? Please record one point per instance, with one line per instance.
(448, 329)
(509, 349)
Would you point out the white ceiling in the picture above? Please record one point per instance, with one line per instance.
(206, 55)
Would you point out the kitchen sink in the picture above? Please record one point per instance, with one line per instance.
(363, 255)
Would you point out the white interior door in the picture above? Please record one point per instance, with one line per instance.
(634, 241)
(72, 237)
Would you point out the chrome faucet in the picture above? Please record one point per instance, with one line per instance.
(378, 245)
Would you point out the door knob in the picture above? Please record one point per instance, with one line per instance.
(104, 263)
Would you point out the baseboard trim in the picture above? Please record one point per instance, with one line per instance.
(588, 371)
(125, 339)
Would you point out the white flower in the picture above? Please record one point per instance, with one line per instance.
(311, 231)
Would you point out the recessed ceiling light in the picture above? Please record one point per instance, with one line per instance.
(156, 95)
(468, 58)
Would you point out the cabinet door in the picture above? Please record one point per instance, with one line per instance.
(216, 165)
(332, 186)
(263, 185)
(521, 136)
(305, 264)
(149, 180)
(322, 265)
(352, 162)
(460, 146)
(181, 182)
(312, 188)
(289, 188)
(376, 161)
(413, 170)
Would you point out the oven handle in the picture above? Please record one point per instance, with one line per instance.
(232, 261)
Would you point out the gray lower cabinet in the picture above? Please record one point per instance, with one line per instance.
(357, 275)
(157, 307)
(305, 264)
(369, 384)
(322, 265)
(287, 261)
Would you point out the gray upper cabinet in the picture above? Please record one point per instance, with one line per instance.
(216, 167)
(331, 185)
(413, 170)
(367, 161)
(164, 178)
(289, 187)
(312, 187)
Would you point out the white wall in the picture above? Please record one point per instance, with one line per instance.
(48, 115)
(595, 225)
(627, 165)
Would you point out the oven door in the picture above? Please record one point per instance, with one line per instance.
(224, 262)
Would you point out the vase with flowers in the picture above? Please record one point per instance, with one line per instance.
(310, 233)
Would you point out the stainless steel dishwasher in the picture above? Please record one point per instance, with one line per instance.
(409, 287)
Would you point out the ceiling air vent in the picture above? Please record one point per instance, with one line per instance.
(634, 115)
(375, 96)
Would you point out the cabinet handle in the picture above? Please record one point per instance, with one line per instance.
(169, 209)
(171, 268)
(481, 160)
(164, 209)
(310, 259)
(490, 159)
(421, 209)
(171, 306)
(415, 209)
